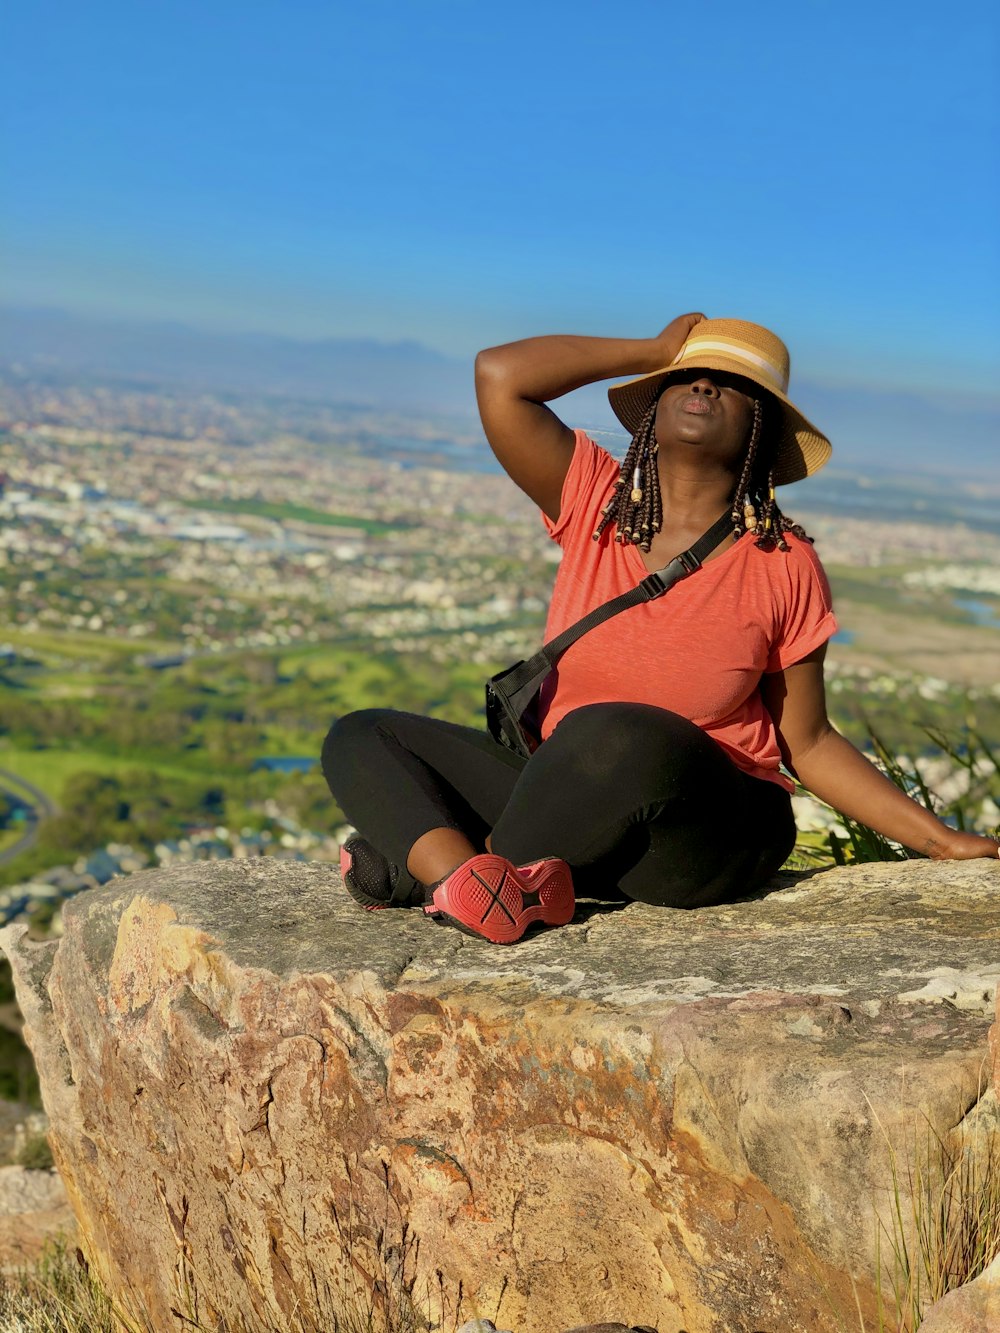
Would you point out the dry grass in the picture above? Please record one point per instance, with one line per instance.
(59, 1295)
(374, 1293)
(943, 1227)
(56, 1296)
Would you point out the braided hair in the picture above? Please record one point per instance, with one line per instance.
(636, 507)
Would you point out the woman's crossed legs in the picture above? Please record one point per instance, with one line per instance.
(632, 797)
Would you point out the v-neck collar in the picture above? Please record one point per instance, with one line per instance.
(635, 555)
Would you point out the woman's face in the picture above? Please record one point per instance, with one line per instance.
(706, 414)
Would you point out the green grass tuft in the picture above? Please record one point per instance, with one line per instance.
(35, 1154)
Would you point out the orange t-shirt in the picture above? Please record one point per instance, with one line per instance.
(700, 649)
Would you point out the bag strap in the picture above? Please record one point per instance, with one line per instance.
(652, 586)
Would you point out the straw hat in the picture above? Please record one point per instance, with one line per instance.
(753, 353)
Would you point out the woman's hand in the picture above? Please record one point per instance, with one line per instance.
(671, 339)
(952, 845)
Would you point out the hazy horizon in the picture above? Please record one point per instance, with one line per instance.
(931, 432)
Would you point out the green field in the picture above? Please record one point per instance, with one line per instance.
(294, 513)
(49, 769)
(137, 756)
(9, 836)
(79, 644)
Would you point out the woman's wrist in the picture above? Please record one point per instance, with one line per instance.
(952, 844)
(643, 356)
(657, 355)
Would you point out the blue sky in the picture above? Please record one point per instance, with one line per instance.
(461, 173)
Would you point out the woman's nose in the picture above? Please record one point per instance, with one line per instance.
(706, 386)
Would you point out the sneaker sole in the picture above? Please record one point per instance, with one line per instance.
(488, 899)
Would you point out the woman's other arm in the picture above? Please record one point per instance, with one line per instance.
(832, 769)
(515, 381)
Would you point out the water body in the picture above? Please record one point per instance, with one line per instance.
(412, 452)
(286, 764)
(983, 613)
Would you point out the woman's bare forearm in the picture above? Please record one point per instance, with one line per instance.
(835, 771)
(547, 367)
(544, 368)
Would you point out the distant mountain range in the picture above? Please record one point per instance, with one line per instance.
(363, 372)
(869, 427)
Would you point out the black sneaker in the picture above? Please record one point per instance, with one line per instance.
(374, 882)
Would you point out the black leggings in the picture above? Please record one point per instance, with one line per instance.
(634, 798)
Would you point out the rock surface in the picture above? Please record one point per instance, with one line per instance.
(974, 1308)
(676, 1118)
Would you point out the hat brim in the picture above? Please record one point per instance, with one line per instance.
(801, 448)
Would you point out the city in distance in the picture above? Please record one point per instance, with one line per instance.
(939, 432)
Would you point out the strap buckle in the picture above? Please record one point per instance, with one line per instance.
(657, 583)
(653, 586)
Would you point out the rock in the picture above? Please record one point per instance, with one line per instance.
(33, 1210)
(257, 1091)
(974, 1308)
(24, 1191)
(611, 1328)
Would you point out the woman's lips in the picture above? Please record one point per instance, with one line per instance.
(697, 406)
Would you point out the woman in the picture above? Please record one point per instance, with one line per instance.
(664, 730)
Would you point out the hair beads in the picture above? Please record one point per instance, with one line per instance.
(635, 508)
(755, 509)
(636, 505)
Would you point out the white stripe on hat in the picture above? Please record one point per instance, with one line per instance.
(694, 347)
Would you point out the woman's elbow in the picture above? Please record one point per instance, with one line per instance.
(801, 751)
(489, 366)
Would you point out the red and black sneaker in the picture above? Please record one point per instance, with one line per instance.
(491, 897)
(374, 882)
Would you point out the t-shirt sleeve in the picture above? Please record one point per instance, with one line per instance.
(807, 618)
(591, 467)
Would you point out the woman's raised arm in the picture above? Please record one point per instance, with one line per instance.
(514, 383)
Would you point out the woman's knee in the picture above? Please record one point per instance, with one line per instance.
(352, 732)
(614, 739)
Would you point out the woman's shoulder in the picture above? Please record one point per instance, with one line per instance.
(803, 553)
(797, 553)
(591, 472)
(589, 451)
(793, 575)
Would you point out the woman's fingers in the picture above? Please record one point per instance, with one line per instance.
(673, 337)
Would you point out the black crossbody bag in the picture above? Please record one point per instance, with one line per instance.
(512, 695)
